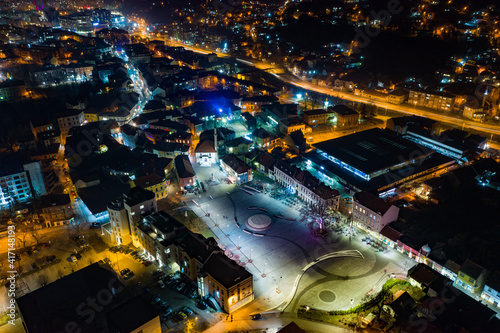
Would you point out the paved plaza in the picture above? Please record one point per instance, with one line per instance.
(278, 255)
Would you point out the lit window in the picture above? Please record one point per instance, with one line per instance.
(142, 207)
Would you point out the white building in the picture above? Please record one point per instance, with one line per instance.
(19, 182)
(491, 291)
(72, 119)
(206, 154)
(372, 213)
(125, 212)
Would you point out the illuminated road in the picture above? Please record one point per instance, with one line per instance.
(402, 108)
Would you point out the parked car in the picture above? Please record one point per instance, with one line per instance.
(147, 263)
(201, 305)
(156, 300)
(161, 284)
(188, 310)
(182, 315)
(167, 312)
(180, 286)
(124, 271)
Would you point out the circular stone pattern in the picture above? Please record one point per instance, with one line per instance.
(327, 296)
(259, 222)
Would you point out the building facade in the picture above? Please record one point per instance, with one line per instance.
(372, 213)
(238, 171)
(433, 100)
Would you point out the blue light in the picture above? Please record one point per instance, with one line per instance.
(299, 96)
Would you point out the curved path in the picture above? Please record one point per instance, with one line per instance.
(348, 253)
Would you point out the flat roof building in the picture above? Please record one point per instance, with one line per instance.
(373, 152)
(374, 160)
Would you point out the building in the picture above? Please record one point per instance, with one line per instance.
(316, 117)
(239, 146)
(125, 212)
(283, 116)
(431, 99)
(238, 171)
(156, 234)
(374, 160)
(135, 316)
(192, 251)
(491, 291)
(474, 111)
(205, 153)
(415, 124)
(117, 231)
(263, 139)
(12, 89)
(80, 22)
(153, 183)
(344, 117)
(471, 277)
(70, 119)
(40, 126)
(19, 182)
(200, 259)
(185, 173)
(372, 213)
(64, 303)
(139, 202)
(55, 210)
(253, 104)
(230, 284)
(305, 186)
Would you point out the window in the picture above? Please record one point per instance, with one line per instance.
(217, 293)
(141, 207)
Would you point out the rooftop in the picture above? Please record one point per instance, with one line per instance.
(51, 307)
(131, 315)
(343, 110)
(183, 166)
(137, 195)
(52, 200)
(372, 202)
(148, 180)
(372, 150)
(226, 271)
(236, 164)
(471, 269)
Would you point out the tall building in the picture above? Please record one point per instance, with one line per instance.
(125, 212)
(19, 182)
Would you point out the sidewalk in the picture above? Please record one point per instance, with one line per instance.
(272, 323)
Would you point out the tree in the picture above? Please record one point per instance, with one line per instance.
(37, 236)
(323, 214)
(43, 280)
(22, 236)
(77, 226)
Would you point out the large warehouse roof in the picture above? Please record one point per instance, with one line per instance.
(372, 150)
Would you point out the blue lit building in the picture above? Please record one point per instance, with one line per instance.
(374, 160)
